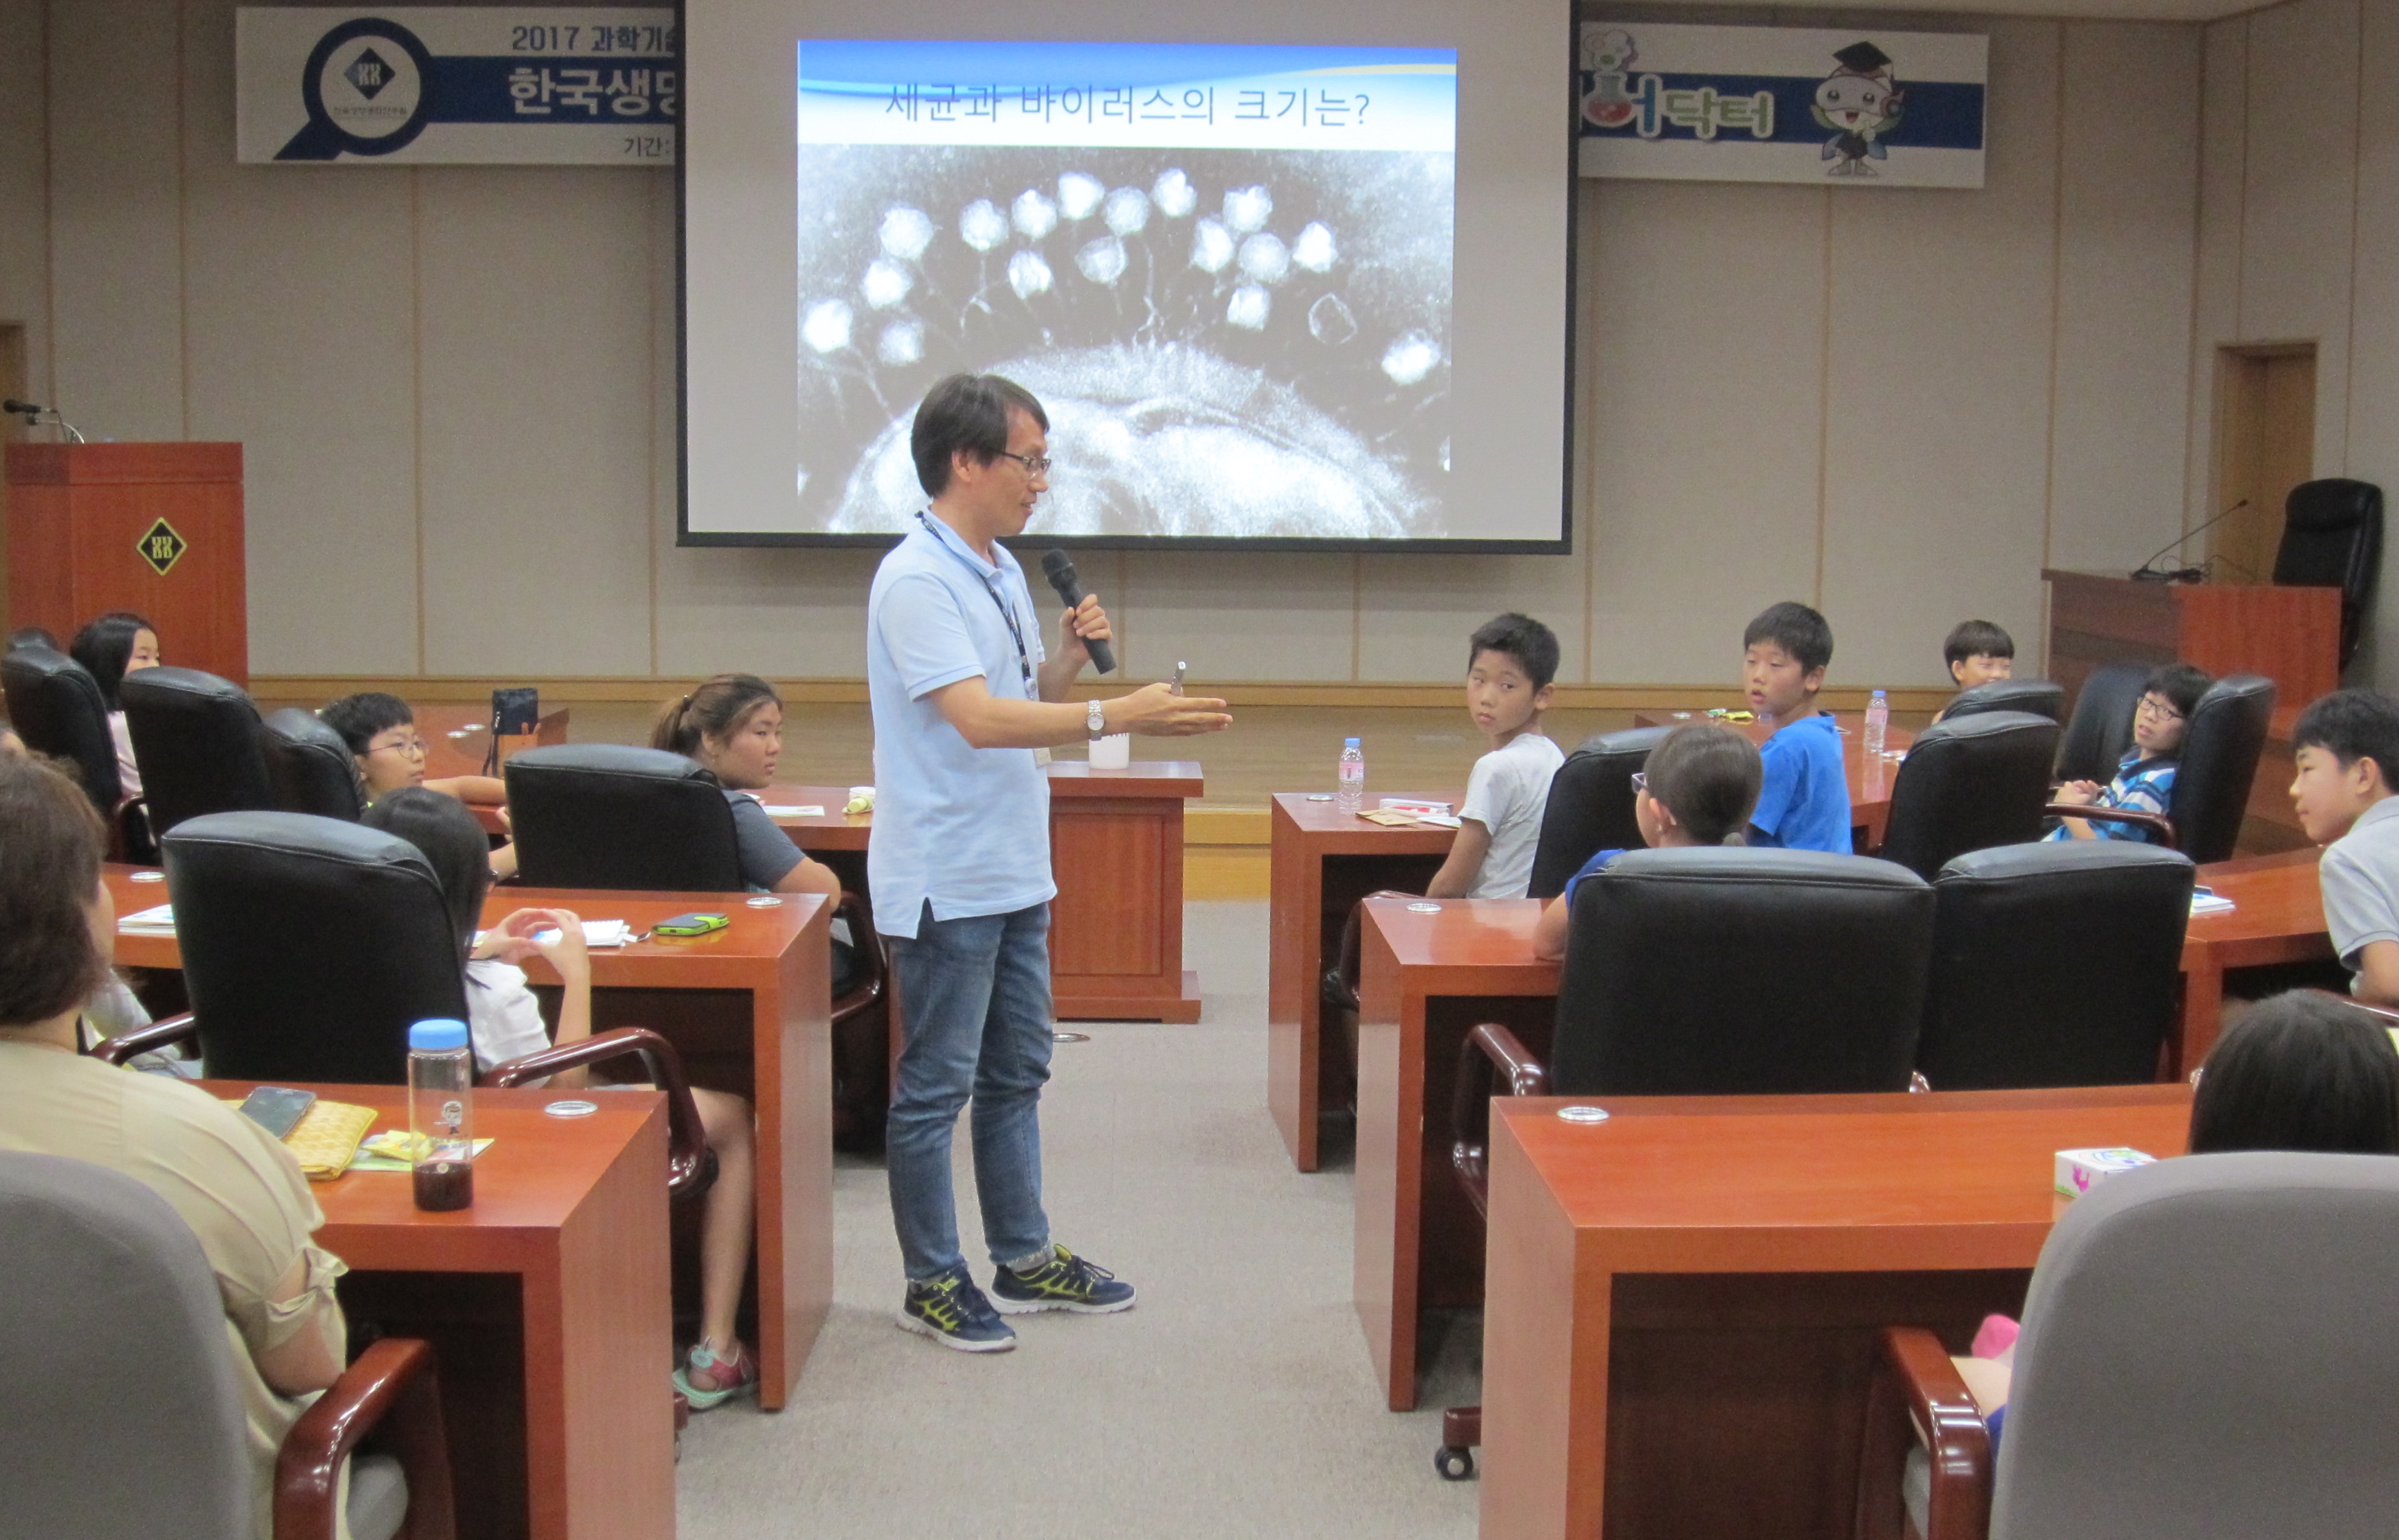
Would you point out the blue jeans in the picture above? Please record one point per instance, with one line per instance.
(975, 996)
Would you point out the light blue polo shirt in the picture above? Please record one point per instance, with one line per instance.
(968, 829)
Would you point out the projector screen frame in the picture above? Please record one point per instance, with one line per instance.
(1568, 130)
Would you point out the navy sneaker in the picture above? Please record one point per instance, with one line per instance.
(1065, 1283)
(952, 1311)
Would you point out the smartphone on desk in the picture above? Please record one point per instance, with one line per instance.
(690, 925)
(277, 1109)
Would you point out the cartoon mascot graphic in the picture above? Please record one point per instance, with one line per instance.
(1861, 105)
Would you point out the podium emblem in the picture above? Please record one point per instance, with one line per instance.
(161, 546)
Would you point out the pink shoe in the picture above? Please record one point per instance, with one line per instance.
(708, 1380)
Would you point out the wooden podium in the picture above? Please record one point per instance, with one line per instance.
(2292, 636)
(152, 528)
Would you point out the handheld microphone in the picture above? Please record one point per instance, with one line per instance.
(1058, 568)
(2146, 574)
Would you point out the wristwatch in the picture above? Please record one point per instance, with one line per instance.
(1095, 720)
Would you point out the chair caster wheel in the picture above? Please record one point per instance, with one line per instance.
(1453, 1463)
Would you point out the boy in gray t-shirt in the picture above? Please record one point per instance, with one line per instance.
(2344, 799)
(1510, 665)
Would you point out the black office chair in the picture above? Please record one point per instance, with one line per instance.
(2332, 538)
(110, 1293)
(310, 766)
(55, 706)
(311, 945)
(608, 815)
(1591, 806)
(2225, 734)
(1661, 996)
(196, 737)
(1969, 785)
(2037, 695)
(2100, 732)
(2054, 964)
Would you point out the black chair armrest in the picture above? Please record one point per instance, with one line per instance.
(874, 963)
(1488, 1048)
(691, 1165)
(2157, 821)
(1339, 988)
(129, 834)
(1916, 1396)
(392, 1383)
(171, 1033)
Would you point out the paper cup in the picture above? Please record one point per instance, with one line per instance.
(1113, 753)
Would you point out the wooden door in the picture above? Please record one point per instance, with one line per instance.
(12, 384)
(2265, 427)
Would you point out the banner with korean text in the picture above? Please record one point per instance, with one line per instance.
(1855, 108)
(502, 85)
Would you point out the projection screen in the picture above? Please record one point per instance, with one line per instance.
(1288, 282)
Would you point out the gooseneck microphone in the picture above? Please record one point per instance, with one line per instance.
(35, 414)
(2148, 573)
(1058, 568)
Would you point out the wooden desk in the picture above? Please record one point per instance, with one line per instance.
(1684, 1299)
(1115, 846)
(2292, 636)
(1870, 780)
(749, 1009)
(1324, 861)
(1426, 980)
(2277, 917)
(547, 1304)
(457, 737)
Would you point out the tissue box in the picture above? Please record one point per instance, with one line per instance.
(1417, 805)
(2079, 1170)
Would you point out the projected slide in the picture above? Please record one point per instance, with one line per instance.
(1225, 271)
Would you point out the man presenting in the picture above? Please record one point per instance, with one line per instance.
(963, 694)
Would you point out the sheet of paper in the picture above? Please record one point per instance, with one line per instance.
(793, 810)
(2210, 903)
(157, 922)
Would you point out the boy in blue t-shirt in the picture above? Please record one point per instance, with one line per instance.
(1805, 802)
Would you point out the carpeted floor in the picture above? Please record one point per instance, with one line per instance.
(1234, 1400)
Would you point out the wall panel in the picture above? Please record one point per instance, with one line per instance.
(478, 363)
(1938, 402)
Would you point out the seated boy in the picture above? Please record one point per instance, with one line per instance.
(1510, 665)
(2145, 779)
(381, 731)
(2345, 802)
(1977, 652)
(1804, 803)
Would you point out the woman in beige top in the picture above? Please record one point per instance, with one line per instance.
(240, 1190)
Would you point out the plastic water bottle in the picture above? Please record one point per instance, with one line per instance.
(441, 1113)
(1351, 792)
(1877, 721)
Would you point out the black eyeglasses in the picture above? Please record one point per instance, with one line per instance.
(1038, 463)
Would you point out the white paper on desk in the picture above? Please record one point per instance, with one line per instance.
(1438, 821)
(150, 922)
(596, 933)
(793, 810)
(2210, 903)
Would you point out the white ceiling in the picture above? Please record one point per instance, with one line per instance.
(2086, 10)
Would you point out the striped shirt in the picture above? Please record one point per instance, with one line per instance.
(2141, 785)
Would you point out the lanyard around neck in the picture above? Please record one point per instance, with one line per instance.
(1007, 611)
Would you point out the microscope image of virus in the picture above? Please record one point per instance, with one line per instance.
(1228, 343)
